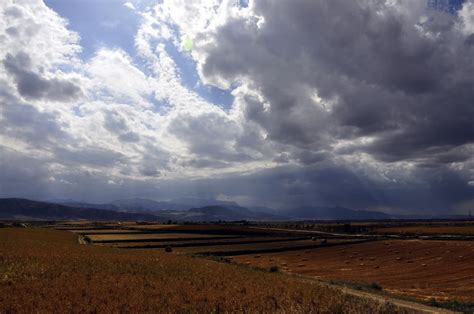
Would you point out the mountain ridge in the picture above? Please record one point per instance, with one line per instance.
(11, 208)
(149, 210)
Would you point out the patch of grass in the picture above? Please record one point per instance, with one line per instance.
(453, 305)
(373, 287)
(376, 286)
(274, 269)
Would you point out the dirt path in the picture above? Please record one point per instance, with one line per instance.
(323, 233)
(397, 302)
(454, 237)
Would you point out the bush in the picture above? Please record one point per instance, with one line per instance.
(274, 269)
(376, 286)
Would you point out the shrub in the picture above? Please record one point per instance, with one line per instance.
(274, 269)
(376, 286)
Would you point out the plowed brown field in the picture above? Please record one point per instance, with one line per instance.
(431, 230)
(421, 269)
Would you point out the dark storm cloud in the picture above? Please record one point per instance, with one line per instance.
(411, 91)
(363, 72)
(470, 40)
(293, 186)
(33, 86)
(209, 135)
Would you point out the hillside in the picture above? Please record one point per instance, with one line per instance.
(14, 208)
(149, 210)
(186, 209)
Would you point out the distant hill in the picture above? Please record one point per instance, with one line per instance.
(71, 203)
(142, 205)
(223, 213)
(15, 208)
(334, 213)
(200, 210)
(146, 205)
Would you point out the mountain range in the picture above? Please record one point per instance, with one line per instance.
(17, 208)
(189, 209)
(196, 209)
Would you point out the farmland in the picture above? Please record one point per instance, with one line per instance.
(419, 269)
(48, 271)
(312, 265)
(428, 230)
(257, 247)
(149, 236)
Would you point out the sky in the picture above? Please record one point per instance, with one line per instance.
(366, 104)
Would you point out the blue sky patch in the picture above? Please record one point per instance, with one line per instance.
(99, 23)
(110, 24)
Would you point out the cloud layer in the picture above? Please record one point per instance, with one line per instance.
(365, 104)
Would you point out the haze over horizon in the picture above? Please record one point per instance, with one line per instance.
(365, 104)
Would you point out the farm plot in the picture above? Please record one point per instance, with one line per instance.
(206, 242)
(428, 230)
(422, 269)
(145, 237)
(105, 231)
(152, 226)
(253, 248)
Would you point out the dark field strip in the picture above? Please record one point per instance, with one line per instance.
(158, 240)
(275, 249)
(194, 244)
(197, 229)
(79, 228)
(114, 232)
